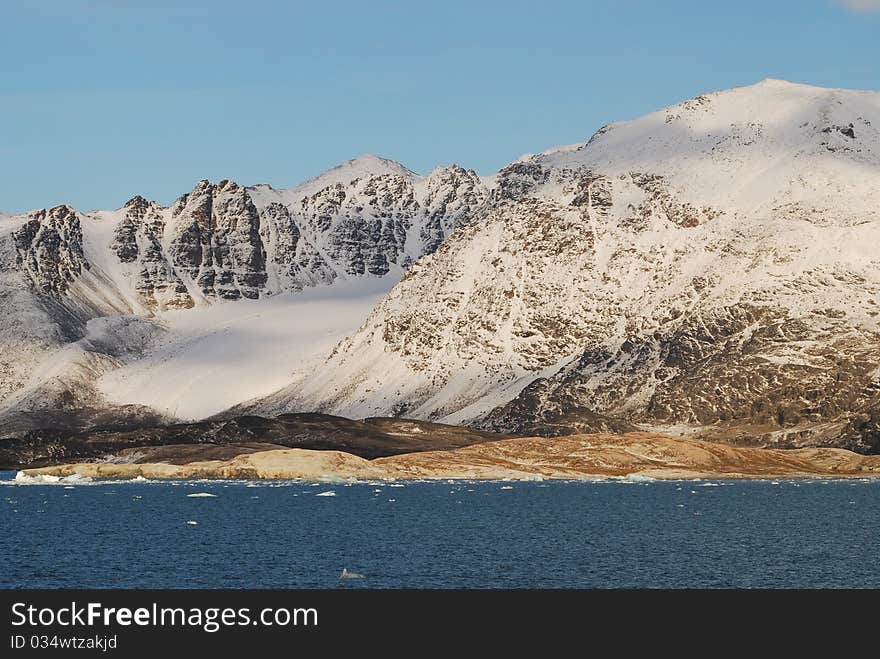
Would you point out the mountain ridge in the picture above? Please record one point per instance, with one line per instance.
(706, 268)
(118, 277)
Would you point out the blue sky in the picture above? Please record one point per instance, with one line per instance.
(103, 99)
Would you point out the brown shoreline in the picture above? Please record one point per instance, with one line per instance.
(532, 458)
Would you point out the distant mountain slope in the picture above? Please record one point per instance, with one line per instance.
(711, 269)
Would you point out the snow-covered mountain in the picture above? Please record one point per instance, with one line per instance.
(115, 313)
(711, 268)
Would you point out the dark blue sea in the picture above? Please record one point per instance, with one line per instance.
(280, 534)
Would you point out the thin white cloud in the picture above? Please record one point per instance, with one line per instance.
(861, 5)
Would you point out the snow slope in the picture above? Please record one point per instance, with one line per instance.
(217, 356)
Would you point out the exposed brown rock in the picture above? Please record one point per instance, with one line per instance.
(576, 456)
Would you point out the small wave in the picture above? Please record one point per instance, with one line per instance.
(639, 478)
(192, 522)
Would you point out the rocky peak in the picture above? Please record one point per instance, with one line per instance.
(137, 203)
(215, 241)
(453, 195)
(49, 248)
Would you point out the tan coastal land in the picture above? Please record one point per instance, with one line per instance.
(636, 454)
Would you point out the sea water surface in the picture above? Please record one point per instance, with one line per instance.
(290, 534)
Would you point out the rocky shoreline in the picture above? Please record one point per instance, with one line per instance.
(637, 454)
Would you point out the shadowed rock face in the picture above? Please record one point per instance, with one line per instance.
(49, 249)
(138, 239)
(369, 438)
(365, 232)
(227, 246)
(742, 375)
(216, 241)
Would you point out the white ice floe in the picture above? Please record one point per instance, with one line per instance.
(201, 495)
(22, 478)
(192, 522)
(350, 575)
(328, 493)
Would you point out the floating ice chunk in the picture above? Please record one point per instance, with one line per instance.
(506, 487)
(192, 522)
(350, 575)
(40, 479)
(22, 478)
(201, 495)
(328, 493)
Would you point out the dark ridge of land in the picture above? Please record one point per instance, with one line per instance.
(369, 438)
